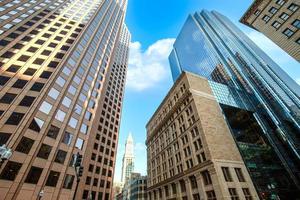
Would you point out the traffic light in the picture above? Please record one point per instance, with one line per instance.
(80, 171)
(78, 160)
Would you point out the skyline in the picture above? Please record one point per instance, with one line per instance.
(137, 87)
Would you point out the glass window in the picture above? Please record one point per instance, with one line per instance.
(266, 18)
(72, 90)
(233, 194)
(276, 24)
(60, 115)
(84, 128)
(67, 102)
(67, 138)
(60, 81)
(53, 132)
(73, 122)
(37, 86)
(273, 10)
(68, 181)
(284, 16)
(247, 194)
(52, 178)
(88, 115)
(227, 174)
(33, 175)
(44, 151)
(78, 109)
(15, 118)
(36, 124)
(7, 98)
(296, 23)
(25, 145)
(45, 107)
(19, 83)
(53, 93)
(293, 7)
(10, 171)
(298, 41)
(27, 101)
(288, 32)
(79, 143)
(280, 2)
(60, 156)
(4, 138)
(239, 174)
(206, 177)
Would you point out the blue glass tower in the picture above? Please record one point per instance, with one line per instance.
(260, 102)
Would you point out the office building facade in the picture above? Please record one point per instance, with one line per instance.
(191, 153)
(63, 68)
(278, 20)
(258, 99)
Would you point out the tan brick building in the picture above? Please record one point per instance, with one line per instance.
(62, 75)
(279, 20)
(191, 153)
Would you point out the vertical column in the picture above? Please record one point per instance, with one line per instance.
(188, 187)
(200, 185)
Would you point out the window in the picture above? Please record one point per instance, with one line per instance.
(45, 74)
(266, 18)
(67, 138)
(38, 61)
(46, 53)
(79, 143)
(276, 24)
(206, 177)
(27, 101)
(13, 68)
(3, 80)
(33, 175)
(10, 171)
(280, 2)
(84, 128)
(296, 23)
(15, 118)
(60, 81)
(4, 138)
(239, 174)
(247, 194)
(60, 156)
(36, 124)
(233, 194)
(19, 83)
(66, 102)
(23, 58)
(273, 10)
(53, 93)
(288, 32)
(25, 145)
(45, 107)
(37, 87)
(53, 132)
(32, 49)
(298, 41)
(60, 115)
(227, 174)
(44, 151)
(211, 195)
(68, 182)
(53, 64)
(73, 122)
(52, 178)
(193, 182)
(30, 71)
(284, 16)
(7, 98)
(293, 7)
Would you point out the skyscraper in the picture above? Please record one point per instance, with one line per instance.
(259, 100)
(128, 160)
(279, 21)
(63, 68)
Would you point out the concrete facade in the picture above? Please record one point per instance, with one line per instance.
(278, 20)
(191, 153)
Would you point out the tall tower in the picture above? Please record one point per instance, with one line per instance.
(128, 160)
(260, 102)
(63, 68)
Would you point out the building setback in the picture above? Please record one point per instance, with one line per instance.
(63, 68)
(190, 151)
(278, 20)
(260, 102)
(128, 160)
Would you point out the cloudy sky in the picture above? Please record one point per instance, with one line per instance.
(154, 26)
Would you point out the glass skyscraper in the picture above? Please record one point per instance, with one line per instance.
(63, 66)
(260, 102)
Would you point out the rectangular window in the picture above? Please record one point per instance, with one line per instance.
(60, 156)
(288, 32)
(25, 145)
(239, 174)
(15, 118)
(27, 101)
(247, 194)
(266, 18)
(67, 138)
(44, 151)
(19, 83)
(33, 175)
(7, 98)
(36, 124)
(53, 132)
(4, 138)
(233, 194)
(296, 23)
(273, 10)
(227, 174)
(68, 181)
(293, 7)
(79, 143)
(284, 16)
(280, 2)
(10, 171)
(276, 24)
(52, 178)
(206, 177)
(211, 195)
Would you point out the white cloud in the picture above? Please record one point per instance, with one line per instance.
(148, 69)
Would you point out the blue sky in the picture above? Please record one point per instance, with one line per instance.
(154, 25)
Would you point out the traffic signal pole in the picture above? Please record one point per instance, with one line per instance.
(78, 171)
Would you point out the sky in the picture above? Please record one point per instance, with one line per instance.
(154, 25)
